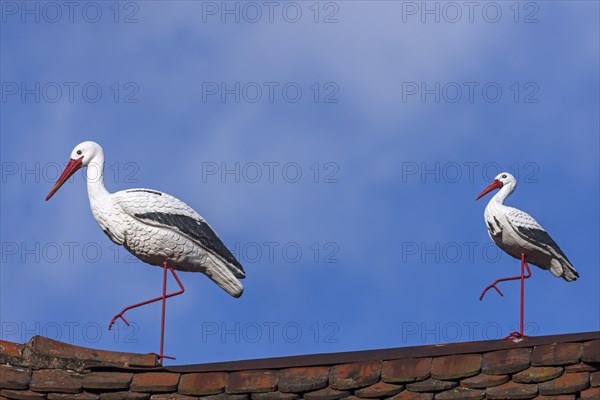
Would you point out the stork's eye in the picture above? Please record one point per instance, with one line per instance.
(78, 152)
(503, 175)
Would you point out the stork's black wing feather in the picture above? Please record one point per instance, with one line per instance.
(531, 230)
(540, 236)
(196, 229)
(154, 207)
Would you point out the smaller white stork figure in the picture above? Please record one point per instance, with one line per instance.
(519, 235)
(156, 228)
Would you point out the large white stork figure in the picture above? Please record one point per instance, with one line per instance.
(155, 227)
(519, 235)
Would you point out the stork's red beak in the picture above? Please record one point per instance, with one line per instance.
(496, 184)
(70, 169)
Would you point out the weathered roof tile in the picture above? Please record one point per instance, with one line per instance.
(155, 382)
(483, 381)
(406, 370)
(41, 348)
(21, 394)
(124, 396)
(326, 394)
(412, 396)
(556, 354)
(225, 396)
(461, 393)
(202, 383)
(251, 381)
(56, 380)
(171, 396)
(581, 367)
(512, 390)
(274, 396)
(595, 379)
(14, 377)
(71, 396)
(456, 366)
(354, 375)
(590, 394)
(591, 351)
(506, 361)
(378, 390)
(568, 383)
(107, 380)
(538, 374)
(431, 385)
(303, 379)
(10, 349)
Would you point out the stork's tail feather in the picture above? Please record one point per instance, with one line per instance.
(221, 274)
(563, 269)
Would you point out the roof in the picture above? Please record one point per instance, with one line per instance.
(536, 367)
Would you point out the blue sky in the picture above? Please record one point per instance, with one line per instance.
(336, 148)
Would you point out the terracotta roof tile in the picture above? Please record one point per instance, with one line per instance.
(595, 379)
(483, 381)
(556, 354)
(274, 396)
(538, 374)
(326, 394)
(412, 396)
(582, 367)
(303, 379)
(568, 383)
(225, 396)
(380, 389)
(590, 394)
(171, 396)
(431, 385)
(506, 361)
(56, 380)
(406, 370)
(355, 375)
(10, 349)
(461, 393)
(107, 380)
(512, 390)
(14, 377)
(21, 394)
(591, 351)
(70, 396)
(155, 382)
(48, 353)
(251, 381)
(124, 396)
(202, 383)
(456, 366)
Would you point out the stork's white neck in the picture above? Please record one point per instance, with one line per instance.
(95, 179)
(502, 194)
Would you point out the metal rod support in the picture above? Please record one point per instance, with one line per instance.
(522, 277)
(163, 298)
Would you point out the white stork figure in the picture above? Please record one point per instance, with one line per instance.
(155, 227)
(519, 235)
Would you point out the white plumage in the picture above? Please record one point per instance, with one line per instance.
(517, 233)
(154, 226)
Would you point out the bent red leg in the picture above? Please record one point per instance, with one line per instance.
(162, 298)
(522, 277)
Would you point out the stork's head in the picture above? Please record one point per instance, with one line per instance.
(501, 180)
(81, 156)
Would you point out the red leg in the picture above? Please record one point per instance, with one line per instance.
(521, 277)
(162, 298)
